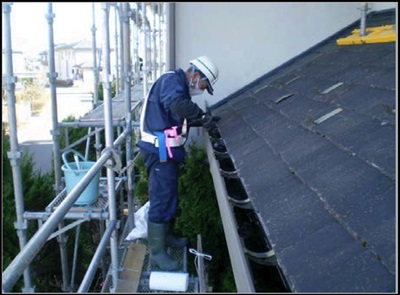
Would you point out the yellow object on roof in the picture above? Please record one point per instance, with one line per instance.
(372, 35)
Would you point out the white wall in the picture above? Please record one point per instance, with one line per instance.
(247, 40)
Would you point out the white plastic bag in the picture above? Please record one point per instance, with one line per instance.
(140, 229)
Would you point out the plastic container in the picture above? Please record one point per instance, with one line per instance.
(74, 172)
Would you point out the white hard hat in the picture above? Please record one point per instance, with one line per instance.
(208, 68)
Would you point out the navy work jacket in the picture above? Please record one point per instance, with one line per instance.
(158, 117)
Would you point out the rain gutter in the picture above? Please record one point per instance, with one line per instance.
(240, 267)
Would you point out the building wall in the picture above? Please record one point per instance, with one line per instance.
(64, 60)
(247, 40)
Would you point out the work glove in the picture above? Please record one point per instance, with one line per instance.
(215, 118)
(208, 123)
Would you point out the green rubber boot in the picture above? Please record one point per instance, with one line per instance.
(156, 238)
(174, 240)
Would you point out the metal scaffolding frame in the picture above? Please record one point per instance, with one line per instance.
(118, 112)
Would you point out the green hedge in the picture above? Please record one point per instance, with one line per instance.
(37, 194)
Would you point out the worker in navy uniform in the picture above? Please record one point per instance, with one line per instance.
(167, 114)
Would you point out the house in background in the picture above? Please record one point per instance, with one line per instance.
(74, 61)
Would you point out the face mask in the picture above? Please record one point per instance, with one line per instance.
(196, 90)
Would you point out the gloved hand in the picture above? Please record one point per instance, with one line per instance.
(208, 123)
(215, 118)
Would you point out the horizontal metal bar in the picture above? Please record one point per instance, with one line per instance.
(70, 215)
(82, 139)
(94, 123)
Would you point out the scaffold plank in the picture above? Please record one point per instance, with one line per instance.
(132, 269)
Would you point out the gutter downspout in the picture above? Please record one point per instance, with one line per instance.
(170, 37)
(240, 267)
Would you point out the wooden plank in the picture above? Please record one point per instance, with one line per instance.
(131, 269)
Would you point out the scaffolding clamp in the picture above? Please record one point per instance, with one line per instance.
(8, 80)
(52, 77)
(129, 169)
(55, 133)
(127, 15)
(14, 157)
(116, 164)
(117, 223)
(21, 225)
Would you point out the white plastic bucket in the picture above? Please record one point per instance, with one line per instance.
(74, 172)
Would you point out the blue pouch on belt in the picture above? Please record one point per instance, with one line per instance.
(162, 150)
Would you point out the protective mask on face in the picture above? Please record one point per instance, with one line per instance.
(196, 90)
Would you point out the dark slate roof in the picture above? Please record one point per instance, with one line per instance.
(314, 145)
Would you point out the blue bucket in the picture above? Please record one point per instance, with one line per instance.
(74, 172)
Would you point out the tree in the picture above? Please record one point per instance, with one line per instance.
(37, 192)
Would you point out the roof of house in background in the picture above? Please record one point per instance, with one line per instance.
(83, 45)
(314, 145)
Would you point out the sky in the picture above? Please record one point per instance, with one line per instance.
(29, 27)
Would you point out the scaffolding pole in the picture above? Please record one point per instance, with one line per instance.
(109, 144)
(170, 36)
(145, 66)
(137, 59)
(160, 62)
(97, 145)
(154, 67)
(127, 79)
(14, 155)
(52, 75)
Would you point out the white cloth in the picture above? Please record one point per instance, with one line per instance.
(140, 229)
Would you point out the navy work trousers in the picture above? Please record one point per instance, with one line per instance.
(163, 187)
